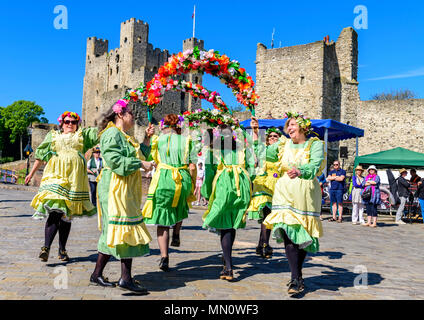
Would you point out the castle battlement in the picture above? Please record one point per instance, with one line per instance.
(135, 61)
(133, 20)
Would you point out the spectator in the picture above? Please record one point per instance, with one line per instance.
(94, 166)
(420, 195)
(199, 183)
(357, 205)
(372, 181)
(403, 193)
(337, 181)
(414, 177)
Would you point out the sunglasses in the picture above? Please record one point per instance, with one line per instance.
(96, 151)
(274, 136)
(336, 164)
(75, 122)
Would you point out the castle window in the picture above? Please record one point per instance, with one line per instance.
(97, 108)
(110, 71)
(115, 86)
(302, 80)
(95, 123)
(139, 39)
(97, 93)
(125, 40)
(196, 79)
(117, 69)
(117, 58)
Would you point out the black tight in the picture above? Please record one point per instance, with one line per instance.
(102, 260)
(227, 240)
(295, 256)
(265, 233)
(53, 225)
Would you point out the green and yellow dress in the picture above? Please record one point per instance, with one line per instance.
(119, 195)
(296, 204)
(264, 183)
(230, 192)
(171, 189)
(64, 185)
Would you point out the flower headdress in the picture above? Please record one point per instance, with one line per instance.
(119, 106)
(303, 122)
(276, 130)
(69, 114)
(177, 125)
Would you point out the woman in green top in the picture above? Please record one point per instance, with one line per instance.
(230, 191)
(172, 186)
(296, 204)
(124, 234)
(264, 183)
(64, 191)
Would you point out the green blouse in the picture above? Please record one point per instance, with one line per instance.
(90, 138)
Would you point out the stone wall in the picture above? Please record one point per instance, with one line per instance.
(391, 124)
(290, 78)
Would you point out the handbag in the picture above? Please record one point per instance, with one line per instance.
(366, 195)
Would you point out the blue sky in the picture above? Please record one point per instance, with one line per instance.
(46, 65)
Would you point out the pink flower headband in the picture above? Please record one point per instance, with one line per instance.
(69, 114)
(119, 106)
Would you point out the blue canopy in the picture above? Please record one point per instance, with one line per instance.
(336, 130)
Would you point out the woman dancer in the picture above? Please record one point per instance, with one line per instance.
(172, 186)
(296, 204)
(227, 207)
(263, 185)
(64, 190)
(124, 234)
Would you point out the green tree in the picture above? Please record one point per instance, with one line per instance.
(18, 116)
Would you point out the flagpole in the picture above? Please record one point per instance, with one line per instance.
(194, 20)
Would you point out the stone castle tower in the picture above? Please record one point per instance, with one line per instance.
(318, 79)
(108, 75)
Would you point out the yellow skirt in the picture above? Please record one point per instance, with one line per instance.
(296, 202)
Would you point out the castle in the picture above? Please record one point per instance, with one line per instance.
(109, 74)
(319, 79)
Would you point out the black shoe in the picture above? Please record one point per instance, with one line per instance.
(44, 254)
(175, 240)
(63, 255)
(226, 274)
(101, 281)
(133, 286)
(266, 251)
(296, 286)
(259, 250)
(164, 264)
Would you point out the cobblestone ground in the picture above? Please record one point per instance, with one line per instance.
(389, 257)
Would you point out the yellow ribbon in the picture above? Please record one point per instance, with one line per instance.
(176, 176)
(237, 169)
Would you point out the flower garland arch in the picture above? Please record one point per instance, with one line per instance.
(195, 60)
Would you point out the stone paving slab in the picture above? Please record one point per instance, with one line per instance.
(389, 257)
